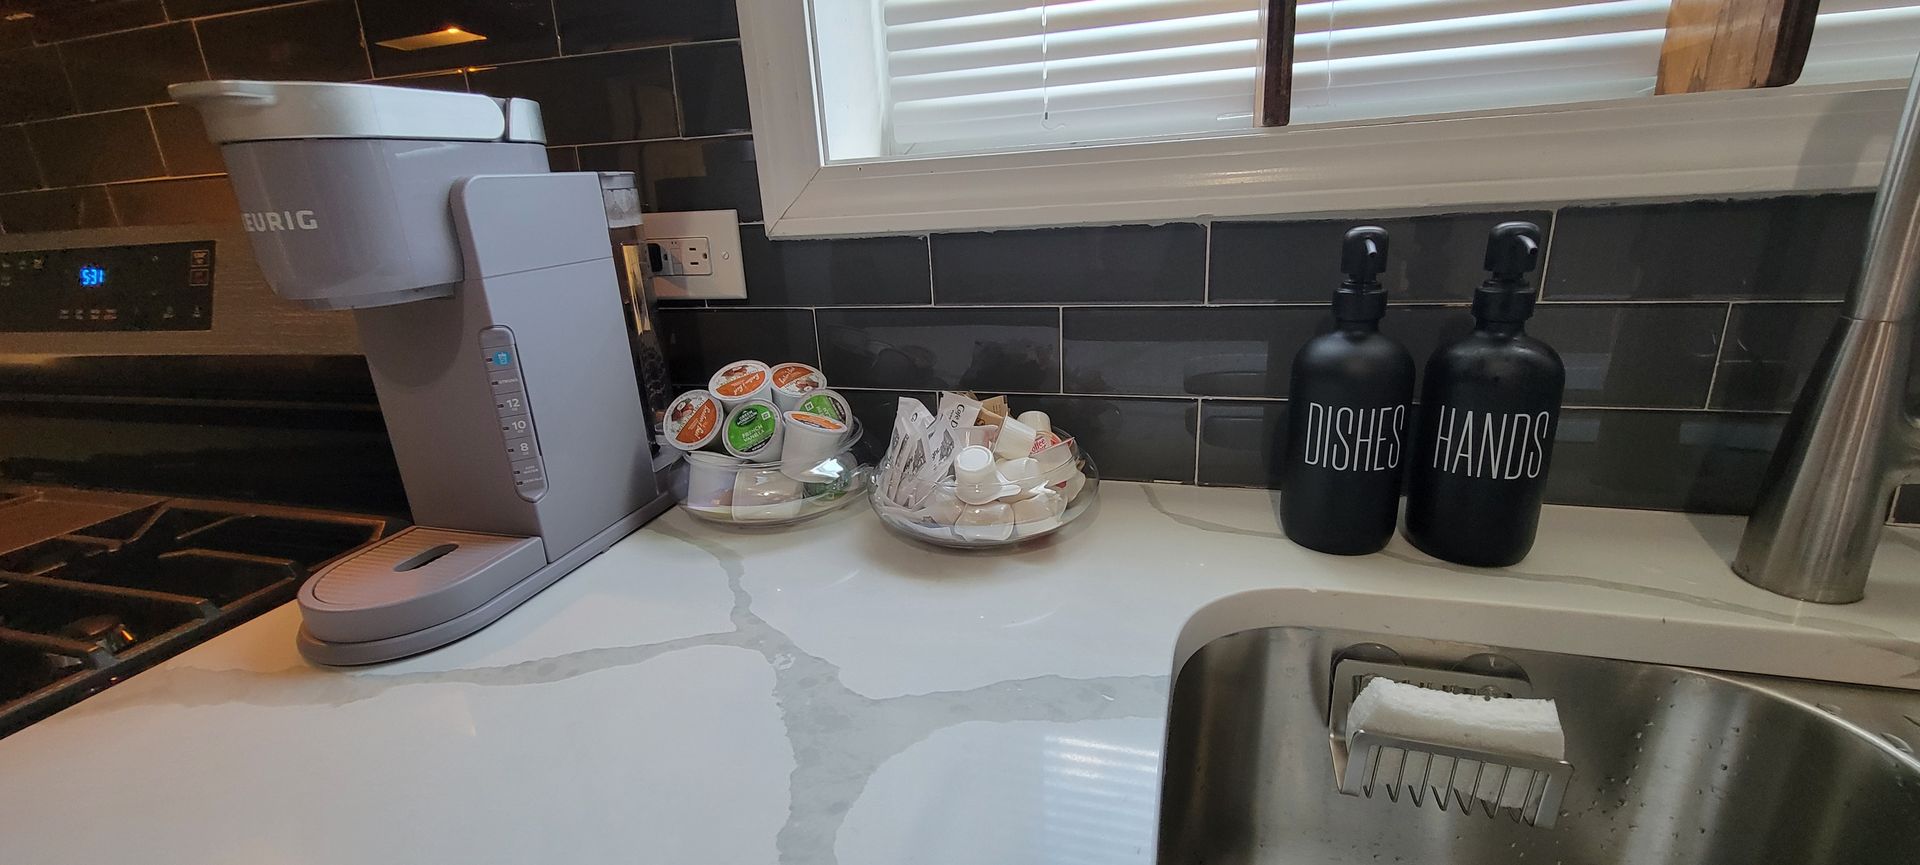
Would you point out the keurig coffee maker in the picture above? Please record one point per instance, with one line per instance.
(489, 310)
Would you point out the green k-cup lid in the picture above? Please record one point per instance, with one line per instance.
(824, 404)
(751, 427)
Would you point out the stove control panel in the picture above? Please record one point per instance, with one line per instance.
(502, 359)
(152, 286)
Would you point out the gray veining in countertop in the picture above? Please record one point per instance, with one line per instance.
(712, 696)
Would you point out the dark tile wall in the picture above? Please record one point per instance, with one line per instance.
(89, 139)
(1175, 342)
(1686, 327)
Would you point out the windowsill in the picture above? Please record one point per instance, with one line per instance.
(1701, 145)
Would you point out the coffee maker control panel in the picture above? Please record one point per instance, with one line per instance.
(502, 359)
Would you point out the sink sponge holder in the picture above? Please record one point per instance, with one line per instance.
(1526, 788)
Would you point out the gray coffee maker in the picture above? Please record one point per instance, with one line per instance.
(490, 313)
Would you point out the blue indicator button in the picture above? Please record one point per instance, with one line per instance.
(501, 358)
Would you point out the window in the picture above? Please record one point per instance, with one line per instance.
(958, 76)
(879, 116)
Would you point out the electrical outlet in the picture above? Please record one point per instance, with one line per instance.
(680, 256)
(695, 254)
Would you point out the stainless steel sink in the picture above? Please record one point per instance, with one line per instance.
(1670, 765)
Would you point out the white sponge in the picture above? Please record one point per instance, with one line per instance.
(1509, 726)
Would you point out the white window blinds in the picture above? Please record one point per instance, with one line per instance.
(972, 75)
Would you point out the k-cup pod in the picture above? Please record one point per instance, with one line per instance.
(793, 383)
(1015, 440)
(765, 495)
(810, 440)
(741, 381)
(985, 523)
(693, 421)
(1038, 420)
(827, 403)
(974, 479)
(710, 479)
(753, 432)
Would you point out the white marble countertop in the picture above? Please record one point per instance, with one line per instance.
(831, 694)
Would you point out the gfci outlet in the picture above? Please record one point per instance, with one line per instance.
(695, 254)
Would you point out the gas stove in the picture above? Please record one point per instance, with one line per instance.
(96, 586)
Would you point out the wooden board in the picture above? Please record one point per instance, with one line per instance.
(1274, 97)
(1734, 44)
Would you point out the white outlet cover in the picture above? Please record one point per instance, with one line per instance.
(721, 228)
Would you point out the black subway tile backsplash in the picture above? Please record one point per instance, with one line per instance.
(704, 174)
(1165, 348)
(606, 97)
(604, 25)
(1240, 442)
(837, 272)
(196, 8)
(1429, 258)
(56, 210)
(1770, 348)
(1101, 264)
(713, 88)
(132, 68)
(1648, 356)
(876, 408)
(194, 201)
(1210, 351)
(699, 340)
(32, 85)
(17, 168)
(53, 22)
(15, 33)
(317, 41)
(183, 141)
(707, 174)
(1707, 462)
(96, 148)
(1799, 247)
(514, 30)
(992, 350)
(454, 81)
(1906, 508)
(1127, 438)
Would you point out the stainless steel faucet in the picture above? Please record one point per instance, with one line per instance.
(1850, 441)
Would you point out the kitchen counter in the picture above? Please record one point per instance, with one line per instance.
(831, 694)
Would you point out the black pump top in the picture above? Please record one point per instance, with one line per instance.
(1363, 256)
(1513, 250)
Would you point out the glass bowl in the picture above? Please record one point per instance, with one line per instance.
(943, 512)
(719, 488)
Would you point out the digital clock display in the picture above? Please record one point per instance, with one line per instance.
(91, 289)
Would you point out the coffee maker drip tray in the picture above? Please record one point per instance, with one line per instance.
(425, 587)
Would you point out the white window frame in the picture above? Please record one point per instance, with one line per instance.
(1821, 138)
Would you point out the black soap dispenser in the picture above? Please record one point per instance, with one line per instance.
(1488, 413)
(1347, 416)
